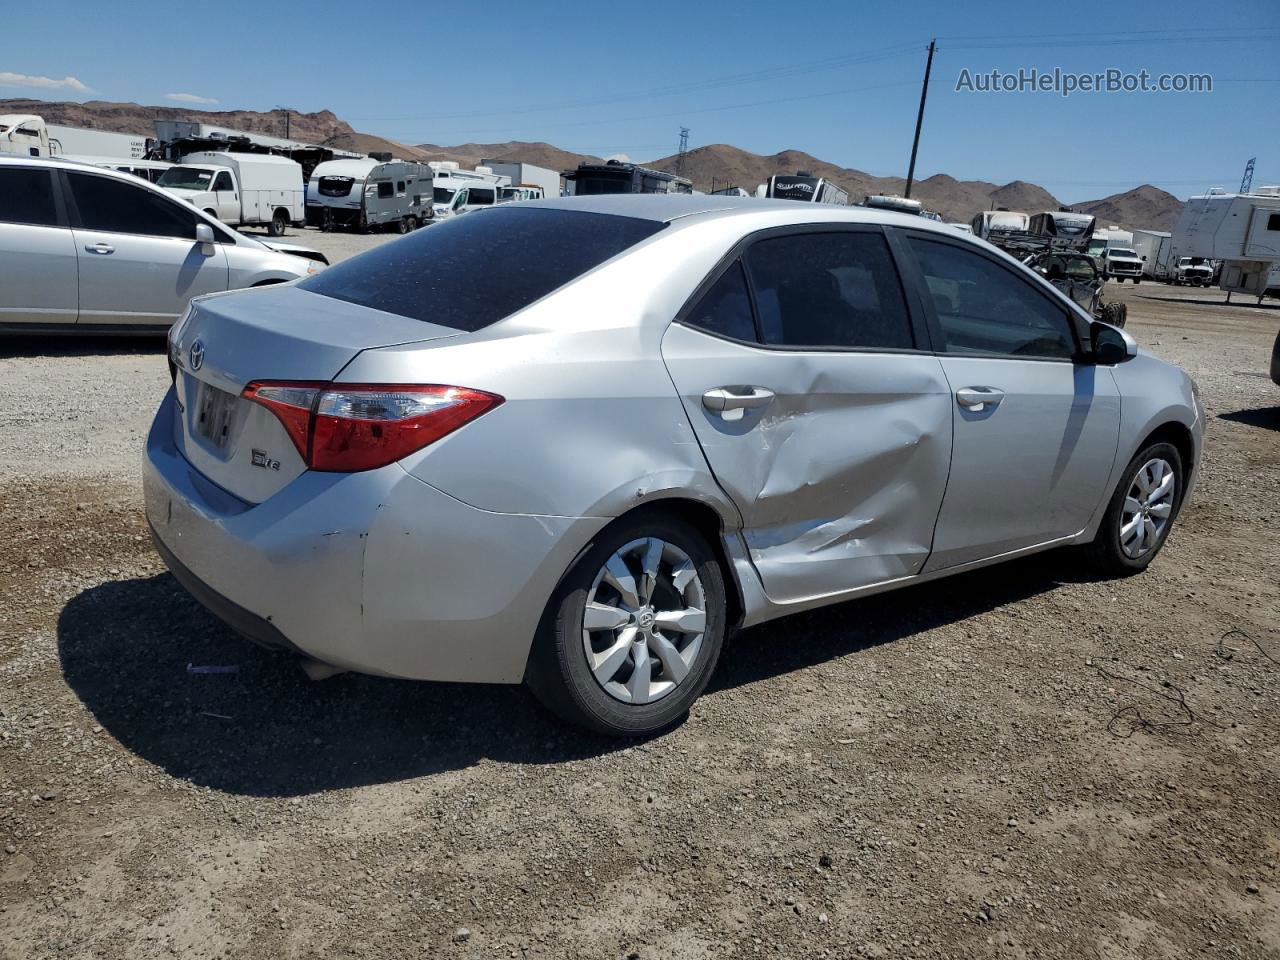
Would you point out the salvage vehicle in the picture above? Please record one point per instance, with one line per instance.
(241, 189)
(365, 194)
(85, 249)
(681, 416)
(1076, 275)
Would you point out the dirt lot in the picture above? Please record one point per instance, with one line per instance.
(999, 765)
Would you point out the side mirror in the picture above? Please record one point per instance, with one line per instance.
(205, 237)
(1111, 345)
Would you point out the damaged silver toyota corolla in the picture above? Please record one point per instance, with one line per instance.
(574, 442)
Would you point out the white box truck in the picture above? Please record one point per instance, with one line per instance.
(1240, 229)
(241, 189)
(1153, 247)
(526, 175)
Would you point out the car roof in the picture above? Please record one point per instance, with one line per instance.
(87, 164)
(668, 207)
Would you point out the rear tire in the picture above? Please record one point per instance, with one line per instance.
(1122, 548)
(402, 225)
(279, 221)
(646, 624)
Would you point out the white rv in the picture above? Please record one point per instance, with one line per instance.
(241, 189)
(806, 188)
(370, 194)
(1240, 229)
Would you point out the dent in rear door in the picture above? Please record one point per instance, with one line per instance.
(840, 478)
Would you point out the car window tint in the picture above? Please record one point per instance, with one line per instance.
(26, 196)
(829, 290)
(223, 182)
(447, 275)
(725, 309)
(983, 307)
(120, 207)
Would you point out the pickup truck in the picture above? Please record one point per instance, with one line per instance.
(241, 189)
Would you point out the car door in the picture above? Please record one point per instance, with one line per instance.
(38, 280)
(139, 262)
(226, 197)
(1036, 427)
(820, 409)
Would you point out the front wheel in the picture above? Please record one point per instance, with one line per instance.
(279, 221)
(1141, 512)
(632, 634)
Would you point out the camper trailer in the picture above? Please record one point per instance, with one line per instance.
(241, 189)
(1062, 229)
(991, 225)
(1240, 229)
(806, 188)
(370, 194)
(619, 176)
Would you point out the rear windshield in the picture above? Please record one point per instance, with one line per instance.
(472, 271)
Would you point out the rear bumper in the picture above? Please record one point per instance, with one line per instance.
(376, 572)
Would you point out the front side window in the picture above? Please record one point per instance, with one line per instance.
(223, 182)
(829, 290)
(480, 196)
(983, 308)
(725, 309)
(431, 275)
(26, 196)
(120, 207)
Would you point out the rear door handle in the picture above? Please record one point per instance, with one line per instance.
(99, 247)
(733, 402)
(977, 398)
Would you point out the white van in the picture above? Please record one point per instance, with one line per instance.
(457, 191)
(241, 189)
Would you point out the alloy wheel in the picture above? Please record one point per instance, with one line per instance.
(644, 621)
(1148, 508)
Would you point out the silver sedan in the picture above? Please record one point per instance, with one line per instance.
(576, 442)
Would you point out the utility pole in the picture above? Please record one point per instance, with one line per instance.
(287, 112)
(924, 93)
(684, 145)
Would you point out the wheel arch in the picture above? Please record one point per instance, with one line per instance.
(1178, 435)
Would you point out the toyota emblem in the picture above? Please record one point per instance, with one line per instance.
(196, 356)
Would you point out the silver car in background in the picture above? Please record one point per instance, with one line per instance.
(85, 249)
(666, 418)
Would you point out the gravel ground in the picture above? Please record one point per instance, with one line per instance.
(1020, 762)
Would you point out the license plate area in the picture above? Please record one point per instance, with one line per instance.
(214, 415)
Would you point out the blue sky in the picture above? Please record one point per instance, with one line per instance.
(838, 80)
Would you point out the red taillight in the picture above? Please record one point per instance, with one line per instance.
(349, 427)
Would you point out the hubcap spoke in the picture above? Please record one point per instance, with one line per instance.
(1162, 489)
(649, 564)
(601, 616)
(682, 575)
(672, 662)
(1162, 510)
(641, 673)
(607, 664)
(621, 579)
(685, 621)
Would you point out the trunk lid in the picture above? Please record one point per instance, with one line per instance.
(275, 333)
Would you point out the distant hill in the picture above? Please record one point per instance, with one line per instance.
(1144, 208)
(715, 166)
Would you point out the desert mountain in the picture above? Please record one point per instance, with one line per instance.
(709, 167)
(1145, 207)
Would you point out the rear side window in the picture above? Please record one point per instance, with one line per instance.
(26, 196)
(120, 207)
(470, 272)
(725, 309)
(829, 290)
(984, 308)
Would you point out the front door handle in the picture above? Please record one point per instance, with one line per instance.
(99, 247)
(976, 399)
(733, 402)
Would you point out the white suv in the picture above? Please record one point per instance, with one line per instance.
(84, 249)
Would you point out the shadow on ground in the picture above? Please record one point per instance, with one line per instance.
(1241, 300)
(1266, 417)
(266, 730)
(147, 343)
